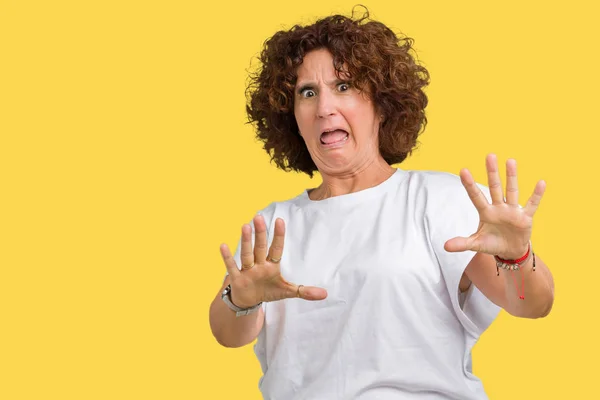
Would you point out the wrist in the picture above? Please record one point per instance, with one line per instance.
(515, 254)
(239, 309)
(516, 263)
(240, 304)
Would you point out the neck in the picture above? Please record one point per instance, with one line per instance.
(365, 177)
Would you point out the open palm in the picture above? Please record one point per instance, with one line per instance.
(504, 227)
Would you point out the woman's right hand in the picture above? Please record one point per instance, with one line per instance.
(260, 278)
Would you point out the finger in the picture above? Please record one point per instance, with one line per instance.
(535, 199)
(276, 250)
(310, 293)
(246, 254)
(494, 182)
(230, 264)
(512, 187)
(260, 239)
(475, 194)
(459, 244)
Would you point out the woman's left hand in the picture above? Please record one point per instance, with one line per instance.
(504, 227)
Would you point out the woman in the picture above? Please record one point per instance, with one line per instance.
(403, 270)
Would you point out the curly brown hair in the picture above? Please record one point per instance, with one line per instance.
(371, 54)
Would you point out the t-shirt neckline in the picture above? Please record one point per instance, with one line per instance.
(354, 197)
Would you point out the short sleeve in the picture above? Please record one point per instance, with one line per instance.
(449, 213)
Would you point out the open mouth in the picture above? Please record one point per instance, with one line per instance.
(334, 136)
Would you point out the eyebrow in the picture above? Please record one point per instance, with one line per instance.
(311, 84)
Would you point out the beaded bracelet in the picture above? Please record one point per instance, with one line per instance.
(515, 265)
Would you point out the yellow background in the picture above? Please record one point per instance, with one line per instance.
(125, 161)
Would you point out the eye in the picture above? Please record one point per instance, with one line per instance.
(307, 93)
(342, 87)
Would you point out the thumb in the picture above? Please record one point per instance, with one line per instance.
(458, 244)
(310, 292)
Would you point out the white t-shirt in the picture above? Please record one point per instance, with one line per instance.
(393, 326)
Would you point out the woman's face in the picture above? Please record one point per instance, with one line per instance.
(338, 124)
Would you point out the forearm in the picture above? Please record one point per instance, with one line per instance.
(232, 331)
(537, 288)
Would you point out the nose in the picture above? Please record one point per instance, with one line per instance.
(326, 105)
